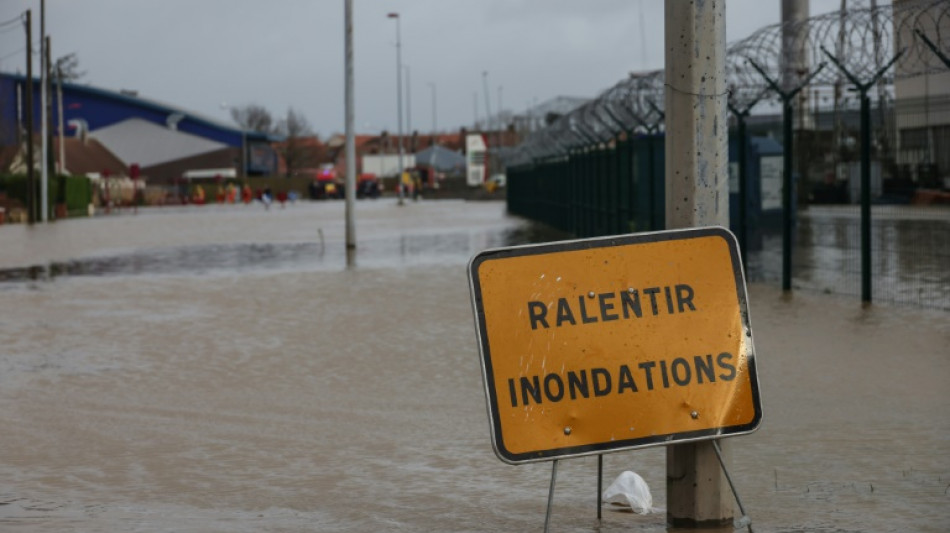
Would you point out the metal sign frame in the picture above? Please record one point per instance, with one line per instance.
(490, 341)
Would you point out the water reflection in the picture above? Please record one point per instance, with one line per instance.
(407, 250)
(910, 255)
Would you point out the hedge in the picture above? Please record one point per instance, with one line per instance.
(74, 191)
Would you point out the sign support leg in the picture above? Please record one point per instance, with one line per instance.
(745, 518)
(547, 516)
(600, 484)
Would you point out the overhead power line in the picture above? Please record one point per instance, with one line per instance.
(13, 21)
(13, 53)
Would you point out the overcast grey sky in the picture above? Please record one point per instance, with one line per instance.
(198, 54)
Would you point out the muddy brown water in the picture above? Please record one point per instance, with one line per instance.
(256, 394)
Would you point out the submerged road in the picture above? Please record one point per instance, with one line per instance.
(220, 369)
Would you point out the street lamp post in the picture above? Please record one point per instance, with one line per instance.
(488, 118)
(500, 123)
(475, 106)
(433, 140)
(434, 115)
(242, 172)
(350, 155)
(399, 188)
(408, 103)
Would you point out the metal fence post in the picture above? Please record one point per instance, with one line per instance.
(865, 165)
(787, 97)
(865, 197)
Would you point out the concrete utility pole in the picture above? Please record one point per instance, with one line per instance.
(350, 155)
(697, 194)
(795, 64)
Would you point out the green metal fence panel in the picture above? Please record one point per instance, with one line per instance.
(594, 190)
(649, 189)
(624, 179)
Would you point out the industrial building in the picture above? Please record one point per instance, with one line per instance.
(164, 141)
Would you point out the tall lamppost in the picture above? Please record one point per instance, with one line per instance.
(242, 172)
(434, 116)
(408, 103)
(433, 139)
(399, 105)
(350, 152)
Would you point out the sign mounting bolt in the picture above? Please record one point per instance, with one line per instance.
(694, 414)
(567, 430)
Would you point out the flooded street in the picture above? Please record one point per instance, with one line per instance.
(220, 369)
(910, 254)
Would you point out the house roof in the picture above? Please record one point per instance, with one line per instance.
(441, 158)
(83, 156)
(337, 141)
(140, 141)
(89, 156)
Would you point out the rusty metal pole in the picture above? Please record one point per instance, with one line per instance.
(697, 194)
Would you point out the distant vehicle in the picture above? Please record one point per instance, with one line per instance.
(326, 184)
(367, 186)
(495, 182)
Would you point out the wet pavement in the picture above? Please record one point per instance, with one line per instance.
(220, 369)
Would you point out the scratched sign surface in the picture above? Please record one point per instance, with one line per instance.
(614, 343)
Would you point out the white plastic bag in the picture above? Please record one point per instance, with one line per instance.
(630, 489)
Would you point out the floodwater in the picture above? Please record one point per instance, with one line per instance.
(910, 253)
(220, 369)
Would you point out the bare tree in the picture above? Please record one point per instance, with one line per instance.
(294, 150)
(253, 117)
(67, 68)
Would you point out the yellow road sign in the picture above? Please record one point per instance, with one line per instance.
(614, 343)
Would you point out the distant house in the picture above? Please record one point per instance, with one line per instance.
(374, 152)
(300, 155)
(163, 140)
(441, 159)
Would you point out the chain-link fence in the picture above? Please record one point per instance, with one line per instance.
(910, 228)
(839, 150)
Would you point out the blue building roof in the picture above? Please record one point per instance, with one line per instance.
(99, 108)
